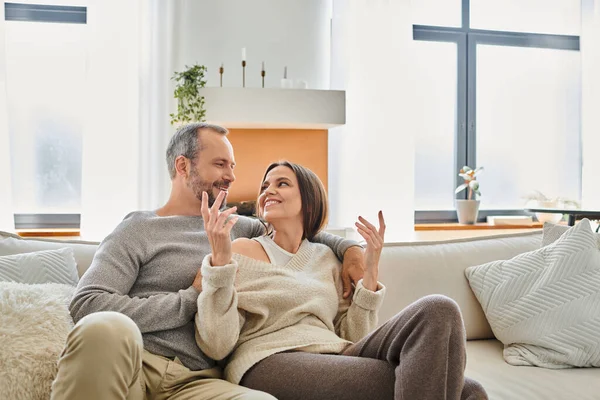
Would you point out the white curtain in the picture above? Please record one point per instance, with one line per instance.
(158, 44)
(371, 158)
(590, 110)
(111, 129)
(6, 210)
(127, 128)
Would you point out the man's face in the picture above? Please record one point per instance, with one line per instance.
(212, 171)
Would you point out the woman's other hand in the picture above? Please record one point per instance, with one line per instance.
(375, 239)
(218, 229)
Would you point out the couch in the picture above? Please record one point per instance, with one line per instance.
(413, 270)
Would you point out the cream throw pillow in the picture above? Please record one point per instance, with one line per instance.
(48, 266)
(34, 323)
(544, 305)
(552, 232)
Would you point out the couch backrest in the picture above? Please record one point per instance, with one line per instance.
(409, 270)
(413, 270)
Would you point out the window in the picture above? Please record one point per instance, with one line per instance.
(46, 76)
(500, 89)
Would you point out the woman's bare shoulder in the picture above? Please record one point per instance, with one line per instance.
(249, 248)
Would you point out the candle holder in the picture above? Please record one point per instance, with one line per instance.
(243, 73)
(221, 70)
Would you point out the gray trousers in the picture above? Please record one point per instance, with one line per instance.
(418, 354)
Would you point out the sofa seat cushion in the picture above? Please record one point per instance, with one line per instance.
(504, 381)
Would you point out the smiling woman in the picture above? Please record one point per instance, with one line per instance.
(287, 188)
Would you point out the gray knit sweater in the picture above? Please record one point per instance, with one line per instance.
(145, 269)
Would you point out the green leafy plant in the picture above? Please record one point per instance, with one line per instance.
(190, 104)
(470, 181)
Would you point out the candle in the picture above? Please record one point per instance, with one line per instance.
(263, 65)
(285, 72)
(243, 54)
(221, 65)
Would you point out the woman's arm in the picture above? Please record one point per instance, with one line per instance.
(218, 320)
(356, 320)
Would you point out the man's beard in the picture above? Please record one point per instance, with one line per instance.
(198, 186)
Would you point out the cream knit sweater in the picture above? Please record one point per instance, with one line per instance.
(273, 309)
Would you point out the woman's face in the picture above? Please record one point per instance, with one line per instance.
(280, 195)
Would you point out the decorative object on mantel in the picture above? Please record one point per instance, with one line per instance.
(537, 199)
(285, 82)
(190, 104)
(221, 70)
(247, 208)
(468, 210)
(243, 67)
(262, 74)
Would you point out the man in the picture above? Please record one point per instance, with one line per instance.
(135, 306)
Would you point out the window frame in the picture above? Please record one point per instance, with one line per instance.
(50, 14)
(466, 40)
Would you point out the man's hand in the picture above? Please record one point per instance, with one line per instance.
(198, 281)
(353, 268)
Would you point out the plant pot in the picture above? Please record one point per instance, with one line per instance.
(467, 211)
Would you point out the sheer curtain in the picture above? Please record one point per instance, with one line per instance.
(6, 212)
(371, 158)
(590, 63)
(158, 44)
(128, 128)
(111, 130)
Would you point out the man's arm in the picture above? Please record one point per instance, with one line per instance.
(114, 270)
(337, 244)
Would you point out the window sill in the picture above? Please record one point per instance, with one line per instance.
(56, 233)
(478, 226)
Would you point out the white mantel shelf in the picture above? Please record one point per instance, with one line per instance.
(256, 108)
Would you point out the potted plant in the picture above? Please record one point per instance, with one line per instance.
(190, 104)
(468, 210)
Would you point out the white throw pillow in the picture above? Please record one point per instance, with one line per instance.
(544, 305)
(50, 266)
(552, 232)
(34, 323)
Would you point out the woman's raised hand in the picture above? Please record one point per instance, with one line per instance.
(218, 229)
(375, 239)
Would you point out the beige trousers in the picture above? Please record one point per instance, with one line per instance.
(104, 358)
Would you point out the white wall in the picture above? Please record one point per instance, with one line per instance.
(295, 33)
(590, 104)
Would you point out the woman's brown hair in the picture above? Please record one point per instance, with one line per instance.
(312, 195)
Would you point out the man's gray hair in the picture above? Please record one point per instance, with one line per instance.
(185, 142)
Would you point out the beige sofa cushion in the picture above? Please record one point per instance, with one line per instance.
(83, 251)
(46, 266)
(544, 305)
(413, 270)
(503, 381)
(552, 232)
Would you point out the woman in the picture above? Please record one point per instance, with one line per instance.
(274, 304)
